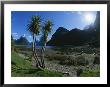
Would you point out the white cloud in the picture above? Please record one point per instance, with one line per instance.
(30, 36)
(73, 12)
(15, 38)
(79, 12)
(15, 34)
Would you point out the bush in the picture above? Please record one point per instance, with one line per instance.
(96, 60)
(56, 57)
(59, 57)
(81, 61)
(67, 62)
(13, 63)
(79, 71)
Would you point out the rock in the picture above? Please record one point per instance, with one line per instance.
(66, 74)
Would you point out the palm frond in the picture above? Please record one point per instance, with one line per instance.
(34, 25)
(46, 29)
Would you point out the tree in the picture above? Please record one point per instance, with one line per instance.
(45, 31)
(34, 28)
(12, 40)
(12, 43)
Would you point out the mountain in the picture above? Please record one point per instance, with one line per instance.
(57, 37)
(22, 41)
(73, 37)
(78, 37)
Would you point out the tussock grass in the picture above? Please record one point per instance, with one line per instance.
(23, 68)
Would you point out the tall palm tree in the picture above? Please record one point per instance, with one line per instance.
(34, 28)
(45, 31)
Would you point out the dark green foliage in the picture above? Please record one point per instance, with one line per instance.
(96, 60)
(12, 43)
(79, 71)
(81, 61)
(13, 63)
(34, 25)
(12, 40)
(56, 57)
(67, 62)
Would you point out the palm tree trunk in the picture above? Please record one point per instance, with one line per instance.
(35, 57)
(43, 55)
(33, 50)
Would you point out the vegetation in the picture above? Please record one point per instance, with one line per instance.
(21, 68)
(81, 61)
(34, 28)
(90, 73)
(97, 60)
(46, 29)
(77, 56)
(80, 51)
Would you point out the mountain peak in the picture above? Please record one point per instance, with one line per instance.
(75, 29)
(22, 41)
(62, 29)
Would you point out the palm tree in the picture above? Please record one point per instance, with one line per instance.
(46, 30)
(34, 28)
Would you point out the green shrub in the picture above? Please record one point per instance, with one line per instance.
(67, 62)
(79, 71)
(90, 73)
(56, 57)
(13, 63)
(96, 60)
(81, 61)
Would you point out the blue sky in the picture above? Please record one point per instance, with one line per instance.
(66, 19)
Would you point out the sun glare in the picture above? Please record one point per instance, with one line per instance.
(89, 18)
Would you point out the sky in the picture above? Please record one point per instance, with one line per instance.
(66, 19)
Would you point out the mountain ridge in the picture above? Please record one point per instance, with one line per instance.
(76, 36)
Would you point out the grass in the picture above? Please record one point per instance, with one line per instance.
(20, 62)
(90, 73)
(36, 73)
(23, 68)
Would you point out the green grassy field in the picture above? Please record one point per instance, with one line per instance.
(23, 68)
(90, 73)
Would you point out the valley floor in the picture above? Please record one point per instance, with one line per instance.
(70, 64)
